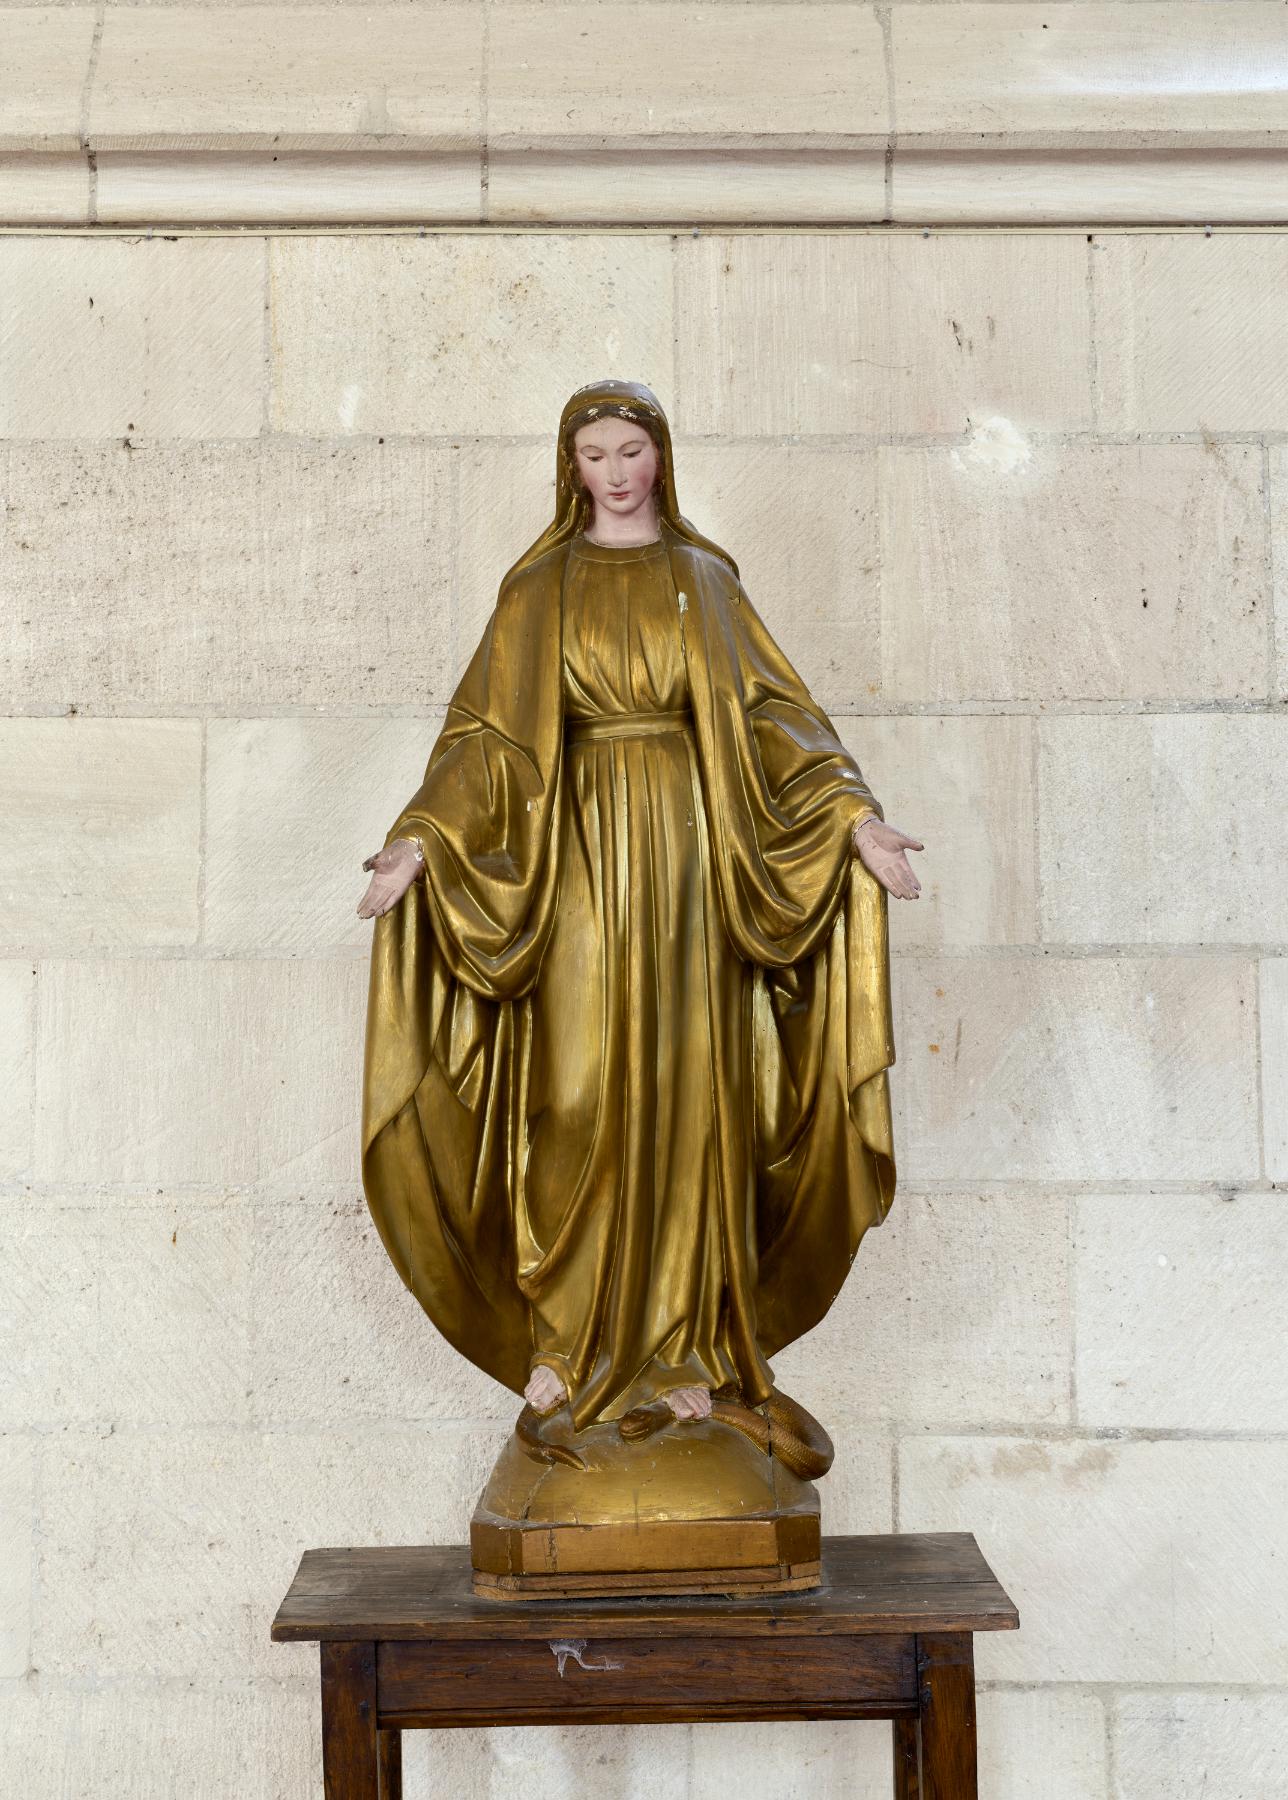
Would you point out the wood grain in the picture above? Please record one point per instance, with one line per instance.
(946, 1665)
(498, 1681)
(900, 1582)
(907, 1759)
(349, 1722)
(389, 1761)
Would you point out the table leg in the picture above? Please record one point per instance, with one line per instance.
(349, 1721)
(946, 1689)
(389, 1757)
(907, 1774)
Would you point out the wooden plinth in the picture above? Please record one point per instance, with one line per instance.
(781, 1578)
(517, 1560)
(405, 1645)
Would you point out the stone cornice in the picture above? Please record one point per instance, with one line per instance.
(737, 112)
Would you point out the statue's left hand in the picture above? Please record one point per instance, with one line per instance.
(880, 848)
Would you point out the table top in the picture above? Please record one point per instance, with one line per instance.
(895, 1582)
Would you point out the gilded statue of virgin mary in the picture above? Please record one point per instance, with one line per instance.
(625, 1107)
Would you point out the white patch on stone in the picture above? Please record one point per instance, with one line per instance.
(349, 405)
(994, 444)
(683, 599)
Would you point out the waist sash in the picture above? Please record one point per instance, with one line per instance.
(627, 724)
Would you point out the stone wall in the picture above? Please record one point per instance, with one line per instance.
(256, 493)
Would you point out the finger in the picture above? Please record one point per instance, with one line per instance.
(910, 843)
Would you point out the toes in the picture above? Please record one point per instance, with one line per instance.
(689, 1403)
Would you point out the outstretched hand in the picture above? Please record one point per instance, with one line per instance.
(880, 848)
(395, 868)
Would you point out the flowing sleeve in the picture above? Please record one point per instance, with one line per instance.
(788, 792)
(450, 966)
(783, 795)
(486, 815)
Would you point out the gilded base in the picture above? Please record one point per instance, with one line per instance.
(695, 1508)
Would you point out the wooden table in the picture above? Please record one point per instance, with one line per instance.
(406, 1645)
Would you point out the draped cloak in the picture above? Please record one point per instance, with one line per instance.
(456, 961)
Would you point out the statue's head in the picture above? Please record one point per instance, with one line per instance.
(614, 428)
(605, 416)
(616, 460)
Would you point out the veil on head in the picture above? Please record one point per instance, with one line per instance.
(573, 506)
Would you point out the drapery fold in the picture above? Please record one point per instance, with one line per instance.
(455, 961)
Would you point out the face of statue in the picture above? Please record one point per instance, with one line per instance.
(617, 461)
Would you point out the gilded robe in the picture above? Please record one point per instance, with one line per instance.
(516, 1258)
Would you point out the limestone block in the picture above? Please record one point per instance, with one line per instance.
(789, 1760)
(1134, 1562)
(1018, 570)
(43, 189)
(857, 1494)
(964, 787)
(1199, 1746)
(877, 333)
(281, 75)
(125, 1314)
(507, 499)
(143, 1564)
(557, 73)
(1279, 551)
(956, 1312)
(1024, 71)
(800, 522)
(518, 1762)
(293, 806)
(174, 1313)
(1002, 182)
(258, 1742)
(1180, 1311)
(1274, 1064)
(344, 186)
(1049, 1742)
(218, 576)
(1164, 829)
(200, 1071)
(44, 52)
(1032, 1069)
(17, 1066)
(1187, 340)
(49, 1299)
(743, 184)
(102, 829)
(466, 333)
(17, 1523)
(338, 1336)
(113, 338)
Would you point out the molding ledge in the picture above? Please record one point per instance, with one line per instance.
(491, 113)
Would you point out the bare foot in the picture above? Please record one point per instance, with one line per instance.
(689, 1402)
(544, 1391)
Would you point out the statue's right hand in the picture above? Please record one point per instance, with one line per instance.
(393, 870)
